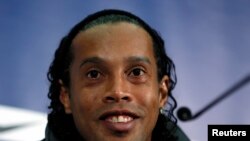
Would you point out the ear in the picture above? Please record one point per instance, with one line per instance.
(64, 98)
(164, 91)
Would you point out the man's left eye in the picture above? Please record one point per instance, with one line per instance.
(137, 72)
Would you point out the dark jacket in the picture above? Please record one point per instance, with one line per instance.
(49, 136)
(181, 136)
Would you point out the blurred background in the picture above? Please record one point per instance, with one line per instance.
(209, 41)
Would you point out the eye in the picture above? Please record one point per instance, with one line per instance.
(93, 74)
(137, 72)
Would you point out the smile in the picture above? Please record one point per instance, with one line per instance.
(119, 119)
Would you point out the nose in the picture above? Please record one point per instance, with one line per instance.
(117, 91)
(116, 97)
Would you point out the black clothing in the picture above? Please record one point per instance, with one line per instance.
(181, 136)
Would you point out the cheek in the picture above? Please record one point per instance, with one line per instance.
(84, 105)
(148, 97)
(83, 101)
(86, 101)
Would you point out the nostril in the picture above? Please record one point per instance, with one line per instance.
(126, 98)
(116, 97)
(109, 98)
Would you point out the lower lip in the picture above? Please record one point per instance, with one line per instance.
(119, 126)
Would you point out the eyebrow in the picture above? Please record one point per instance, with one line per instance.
(98, 60)
(94, 60)
(139, 59)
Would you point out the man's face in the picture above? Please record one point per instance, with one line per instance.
(114, 94)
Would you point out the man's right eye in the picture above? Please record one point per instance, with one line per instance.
(93, 74)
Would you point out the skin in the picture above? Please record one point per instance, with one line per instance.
(114, 74)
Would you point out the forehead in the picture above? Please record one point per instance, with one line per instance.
(118, 33)
(115, 45)
(112, 27)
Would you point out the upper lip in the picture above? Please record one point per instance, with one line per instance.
(118, 112)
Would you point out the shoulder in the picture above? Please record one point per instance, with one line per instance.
(49, 135)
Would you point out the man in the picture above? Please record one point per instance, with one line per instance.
(111, 80)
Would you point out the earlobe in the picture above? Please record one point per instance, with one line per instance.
(64, 98)
(164, 90)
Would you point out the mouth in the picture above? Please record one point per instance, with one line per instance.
(119, 120)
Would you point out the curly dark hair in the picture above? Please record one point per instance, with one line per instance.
(62, 124)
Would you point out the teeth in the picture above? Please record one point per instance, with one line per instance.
(119, 119)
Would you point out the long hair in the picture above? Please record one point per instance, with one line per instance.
(62, 124)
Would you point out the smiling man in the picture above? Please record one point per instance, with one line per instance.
(111, 80)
